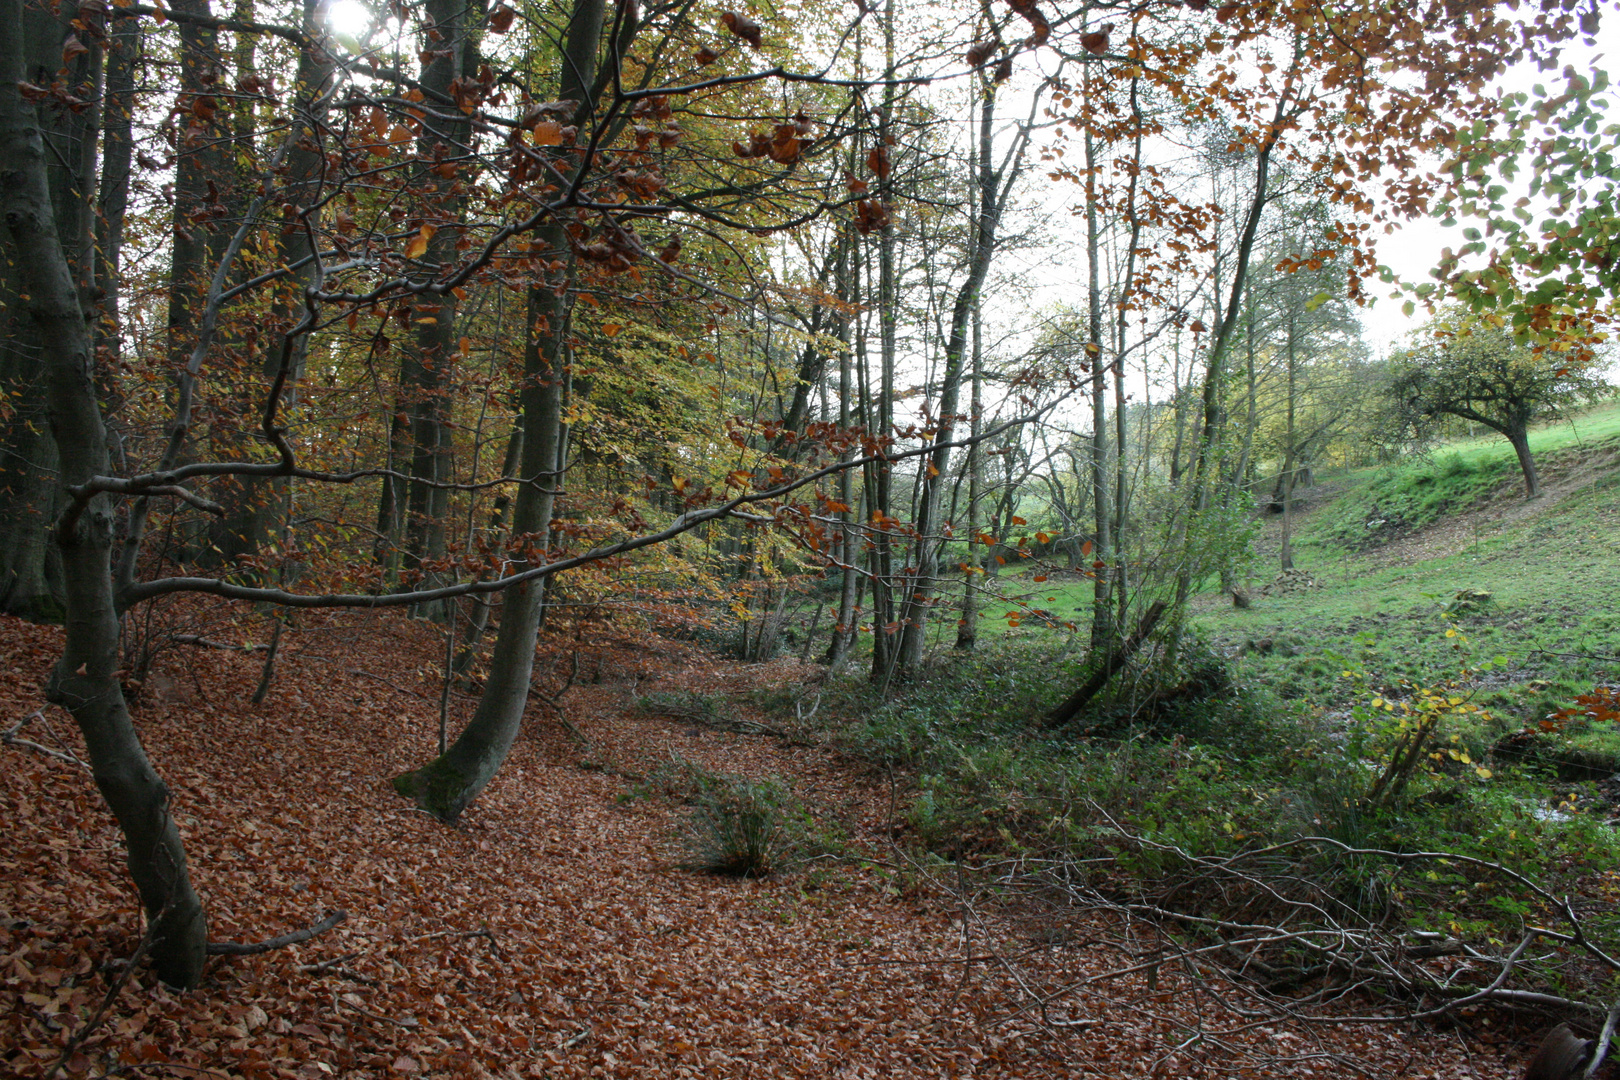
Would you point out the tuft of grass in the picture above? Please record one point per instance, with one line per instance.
(743, 829)
(736, 826)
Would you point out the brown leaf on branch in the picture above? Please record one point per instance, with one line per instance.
(877, 159)
(871, 216)
(742, 26)
(419, 243)
(1040, 29)
(1096, 42)
(981, 51)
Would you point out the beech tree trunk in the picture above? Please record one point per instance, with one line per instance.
(30, 577)
(427, 368)
(85, 681)
(448, 784)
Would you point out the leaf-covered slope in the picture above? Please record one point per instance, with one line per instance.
(549, 935)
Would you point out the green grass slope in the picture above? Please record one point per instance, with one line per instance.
(1439, 566)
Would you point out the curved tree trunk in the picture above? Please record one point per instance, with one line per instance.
(448, 784)
(85, 681)
(1520, 438)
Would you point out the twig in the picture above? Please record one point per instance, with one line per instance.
(232, 948)
(388, 683)
(1602, 1048)
(209, 643)
(486, 932)
(410, 1022)
(336, 967)
(113, 991)
(9, 738)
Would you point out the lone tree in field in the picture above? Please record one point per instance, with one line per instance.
(1478, 372)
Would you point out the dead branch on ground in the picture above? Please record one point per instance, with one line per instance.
(232, 948)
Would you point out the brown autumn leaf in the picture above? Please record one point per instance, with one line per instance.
(981, 51)
(871, 216)
(706, 56)
(743, 27)
(877, 159)
(500, 20)
(548, 133)
(1040, 29)
(419, 243)
(1096, 42)
(73, 47)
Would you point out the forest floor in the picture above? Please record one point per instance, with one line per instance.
(553, 933)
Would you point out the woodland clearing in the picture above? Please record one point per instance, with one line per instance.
(551, 933)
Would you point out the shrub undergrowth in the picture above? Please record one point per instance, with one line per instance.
(1126, 803)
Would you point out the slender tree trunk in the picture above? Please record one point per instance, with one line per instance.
(1206, 458)
(1288, 450)
(936, 466)
(1102, 614)
(1122, 585)
(843, 636)
(885, 621)
(967, 631)
(445, 786)
(85, 680)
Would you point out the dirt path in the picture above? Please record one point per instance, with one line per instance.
(551, 935)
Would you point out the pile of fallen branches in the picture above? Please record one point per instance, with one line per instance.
(1311, 932)
(1303, 944)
